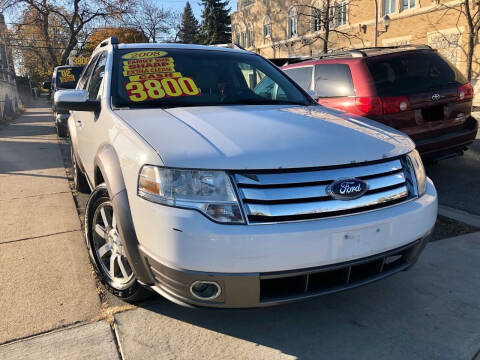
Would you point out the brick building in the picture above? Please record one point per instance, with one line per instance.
(291, 28)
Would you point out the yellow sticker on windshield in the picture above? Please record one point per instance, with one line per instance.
(66, 75)
(152, 76)
(144, 54)
(159, 89)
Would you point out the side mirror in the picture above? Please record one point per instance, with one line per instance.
(76, 100)
(47, 85)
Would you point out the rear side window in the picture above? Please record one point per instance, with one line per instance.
(413, 73)
(333, 80)
(301, 75)
(67, 77)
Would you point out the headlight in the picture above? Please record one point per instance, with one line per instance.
(420, 175)
(210, 192)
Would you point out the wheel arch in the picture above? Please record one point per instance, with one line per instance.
(108, 170)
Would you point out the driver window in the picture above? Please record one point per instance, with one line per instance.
(82, 83)
(97, 77)
(269, 89)
(252, 75)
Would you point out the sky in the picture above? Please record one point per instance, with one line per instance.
(176, 5)
(179, 5)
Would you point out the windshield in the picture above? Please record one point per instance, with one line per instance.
(180, 77)
(67, 77)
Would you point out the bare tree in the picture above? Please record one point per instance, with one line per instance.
(153, 21)
(324, 18)
(59, 25)
(470, 10)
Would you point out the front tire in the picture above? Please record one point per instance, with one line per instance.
(61, 130)
(107, 250)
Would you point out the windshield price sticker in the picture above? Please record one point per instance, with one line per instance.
(66, 75)
(144, 54)
(158, 76)
(152, 76)
(158, 89)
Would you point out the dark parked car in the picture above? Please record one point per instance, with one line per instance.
(411, 88)
(64, 77)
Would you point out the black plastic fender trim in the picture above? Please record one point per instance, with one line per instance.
(121, 206)
(108, 163)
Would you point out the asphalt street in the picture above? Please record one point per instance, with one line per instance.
(457, 179)
(51, 306)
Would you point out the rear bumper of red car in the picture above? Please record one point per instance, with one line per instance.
(450, 144)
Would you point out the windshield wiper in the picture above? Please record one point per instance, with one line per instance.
(263, 102)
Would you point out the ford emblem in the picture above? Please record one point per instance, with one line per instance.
(347, 189)
(436, 97)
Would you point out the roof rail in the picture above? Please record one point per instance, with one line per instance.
(361, 52)
(355, 53)
(415, 46)
(113, 40)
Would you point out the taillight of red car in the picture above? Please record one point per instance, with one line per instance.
(367, 106)
(465, 92)
(376, 106)
(395, 104)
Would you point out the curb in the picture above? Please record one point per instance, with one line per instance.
(459, 215)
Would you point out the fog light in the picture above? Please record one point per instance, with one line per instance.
(205, 290)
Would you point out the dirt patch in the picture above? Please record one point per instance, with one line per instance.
(446, 228)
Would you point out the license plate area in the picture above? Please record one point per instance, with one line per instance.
(434, 113)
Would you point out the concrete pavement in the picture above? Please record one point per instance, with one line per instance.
(46, 281)
(89, 342)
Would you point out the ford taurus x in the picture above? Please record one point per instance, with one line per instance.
(213, 191)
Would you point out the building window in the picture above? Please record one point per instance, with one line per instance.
(249, 36)
(236, 35)
(331, 17)
(267, 27)
(389, 6)
(408, 4)
(292, 23)
(341, 13)
(316, 20)
(243, 38)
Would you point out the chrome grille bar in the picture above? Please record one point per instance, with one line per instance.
(318, 207)
(290, 195)
(287, 178)
(315, 191)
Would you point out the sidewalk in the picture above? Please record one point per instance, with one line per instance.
(46, 278)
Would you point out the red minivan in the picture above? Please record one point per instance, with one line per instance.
(410, 88)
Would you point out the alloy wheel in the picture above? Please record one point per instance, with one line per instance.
(109, 248)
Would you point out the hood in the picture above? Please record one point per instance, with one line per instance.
(263, 137)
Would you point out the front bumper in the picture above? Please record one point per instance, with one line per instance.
(275, 288)
(251, 262)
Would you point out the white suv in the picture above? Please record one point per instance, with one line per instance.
(217, 181)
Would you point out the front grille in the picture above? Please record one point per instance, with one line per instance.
(276, 287)
(292, 195)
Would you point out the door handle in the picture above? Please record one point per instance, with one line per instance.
(79, 123)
